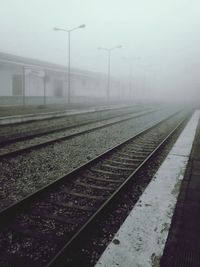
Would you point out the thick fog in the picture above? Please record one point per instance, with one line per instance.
(160, 40)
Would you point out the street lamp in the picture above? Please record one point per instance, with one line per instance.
(109, 50)
(69, 50)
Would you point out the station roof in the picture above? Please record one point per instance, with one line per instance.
(39, 64)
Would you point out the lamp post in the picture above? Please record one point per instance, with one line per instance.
(109, 50)
(23, 86)
(69, 59)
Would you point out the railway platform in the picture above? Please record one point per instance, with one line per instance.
(183, 244)
(163, 228)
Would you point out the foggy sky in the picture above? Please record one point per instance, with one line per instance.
(163, 33)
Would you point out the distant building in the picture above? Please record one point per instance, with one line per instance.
(33, 80)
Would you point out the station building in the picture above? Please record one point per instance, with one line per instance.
(34, 81)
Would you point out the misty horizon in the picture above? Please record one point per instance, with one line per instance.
(163, 35)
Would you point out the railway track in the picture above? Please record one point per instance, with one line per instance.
(45, 126)
(36, 230)
(13, 151)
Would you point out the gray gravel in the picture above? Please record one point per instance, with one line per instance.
(23, 175)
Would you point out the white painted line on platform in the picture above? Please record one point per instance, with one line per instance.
(143, 235)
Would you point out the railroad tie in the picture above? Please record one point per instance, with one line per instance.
(89, 176)
(117, 167)
(84, 195)
(120, 163)
(74, 206)
(107, 188)
(105, 172)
